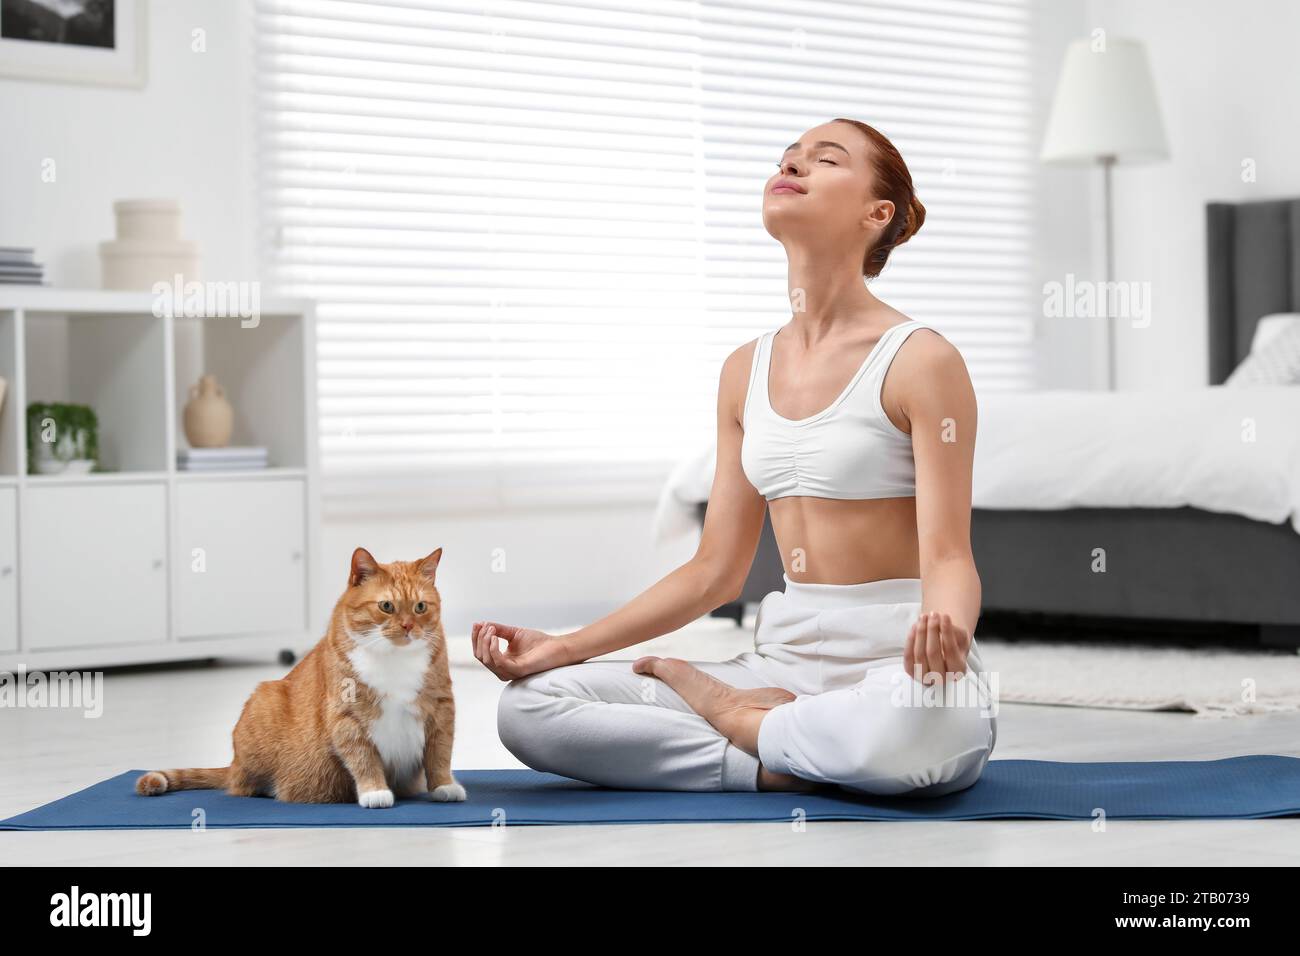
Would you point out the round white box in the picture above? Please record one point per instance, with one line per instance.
(139, 263)
(153, 219)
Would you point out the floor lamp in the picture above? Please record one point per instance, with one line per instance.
(1104, 113)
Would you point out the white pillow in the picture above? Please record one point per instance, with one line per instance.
(1274, 357)
(1270, 326)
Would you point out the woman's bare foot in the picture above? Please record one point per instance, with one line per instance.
(708, 696)
(732, 712)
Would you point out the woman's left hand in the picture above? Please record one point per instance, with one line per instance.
(935, 647)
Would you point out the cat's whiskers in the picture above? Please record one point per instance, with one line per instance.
(379, 636)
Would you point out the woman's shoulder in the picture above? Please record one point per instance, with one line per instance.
(743, 356)
(735, 378)
(923, 339)
(926, 353)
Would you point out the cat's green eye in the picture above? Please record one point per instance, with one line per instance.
(421, 607)
(386, 607)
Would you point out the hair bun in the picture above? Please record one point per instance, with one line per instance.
(893, 181)
(915, 220)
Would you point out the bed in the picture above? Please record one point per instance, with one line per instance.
(1201, 540)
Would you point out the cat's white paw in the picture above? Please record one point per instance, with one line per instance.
(376, 798)
(449, 793)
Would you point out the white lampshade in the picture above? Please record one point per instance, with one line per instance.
(1105, 106)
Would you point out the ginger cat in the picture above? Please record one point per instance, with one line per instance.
(368, 712)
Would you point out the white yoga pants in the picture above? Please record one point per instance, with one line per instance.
(859, 720)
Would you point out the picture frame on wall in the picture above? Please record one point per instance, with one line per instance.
(98, 42)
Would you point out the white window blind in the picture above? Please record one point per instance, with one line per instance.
(534, 232)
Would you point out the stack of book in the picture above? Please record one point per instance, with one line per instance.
(235, 458)
(18, 266)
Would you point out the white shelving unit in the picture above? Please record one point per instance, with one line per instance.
(142, 562)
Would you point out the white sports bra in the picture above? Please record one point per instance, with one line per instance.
(850, 449)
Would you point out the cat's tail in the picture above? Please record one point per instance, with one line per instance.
(196, 778)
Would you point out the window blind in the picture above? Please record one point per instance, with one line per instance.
(533, 228)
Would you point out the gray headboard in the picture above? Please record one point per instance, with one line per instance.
(1253, 251)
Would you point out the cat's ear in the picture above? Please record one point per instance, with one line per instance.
(364, 567)
(427, 566)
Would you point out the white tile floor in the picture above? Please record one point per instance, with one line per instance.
(183, 717)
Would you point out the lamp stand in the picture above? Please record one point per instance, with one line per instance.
(1107, 165)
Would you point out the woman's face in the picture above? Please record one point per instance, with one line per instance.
(823, 189)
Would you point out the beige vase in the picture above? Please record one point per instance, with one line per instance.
(209, 419)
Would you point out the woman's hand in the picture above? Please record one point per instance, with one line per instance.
(935, 647)
(528, 650)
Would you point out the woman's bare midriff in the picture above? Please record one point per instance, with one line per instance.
(834, 541)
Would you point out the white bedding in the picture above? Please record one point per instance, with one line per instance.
(1234, 450)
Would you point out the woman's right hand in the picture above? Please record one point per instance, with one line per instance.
(527, 651)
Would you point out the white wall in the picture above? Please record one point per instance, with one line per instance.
(1069, 351)
(187, 135)
(556, 569)
(1228, 80)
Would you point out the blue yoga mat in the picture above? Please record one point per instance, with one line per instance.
(1239, 787)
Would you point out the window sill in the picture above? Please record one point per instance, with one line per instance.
(521, 488)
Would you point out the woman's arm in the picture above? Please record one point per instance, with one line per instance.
(939, 403)
(716, 572)
(714, 575)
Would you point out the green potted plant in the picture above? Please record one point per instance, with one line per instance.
(62, 438)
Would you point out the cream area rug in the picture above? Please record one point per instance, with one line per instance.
(1206, 682)
(1210, 683)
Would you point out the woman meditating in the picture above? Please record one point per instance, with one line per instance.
(855, 426)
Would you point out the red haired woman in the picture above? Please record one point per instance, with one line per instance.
(855, 426)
